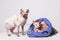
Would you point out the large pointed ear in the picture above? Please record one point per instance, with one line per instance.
(21, 11)
(33, 22)
(27, 11)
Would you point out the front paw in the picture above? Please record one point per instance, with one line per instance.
(18, 35)
(23, 34)
(9, 34)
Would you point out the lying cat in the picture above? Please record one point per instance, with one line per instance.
(40, 26)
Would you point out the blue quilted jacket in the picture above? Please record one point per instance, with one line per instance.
(32, 33)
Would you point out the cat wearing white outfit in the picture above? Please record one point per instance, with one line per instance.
(16, 21)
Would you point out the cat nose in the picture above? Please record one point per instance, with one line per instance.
(40, 27)
(25, 16)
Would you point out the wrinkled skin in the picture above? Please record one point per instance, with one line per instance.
(10, 28)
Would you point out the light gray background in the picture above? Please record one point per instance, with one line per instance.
(38, 9)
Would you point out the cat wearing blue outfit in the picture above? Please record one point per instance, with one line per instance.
(46, 33)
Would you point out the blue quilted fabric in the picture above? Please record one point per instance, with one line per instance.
(46, 33)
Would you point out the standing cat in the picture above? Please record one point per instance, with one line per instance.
(17, 21)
